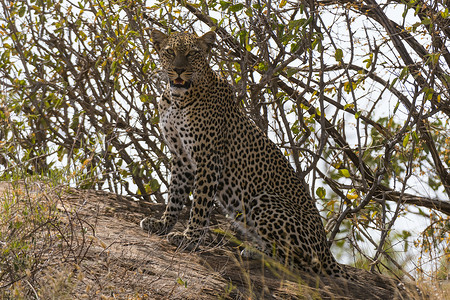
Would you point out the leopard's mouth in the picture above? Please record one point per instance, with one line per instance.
(180, 83)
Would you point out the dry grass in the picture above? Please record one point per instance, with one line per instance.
(38, 249)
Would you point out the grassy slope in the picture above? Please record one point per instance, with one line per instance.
(63, 243)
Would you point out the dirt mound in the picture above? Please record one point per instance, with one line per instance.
(99, 251)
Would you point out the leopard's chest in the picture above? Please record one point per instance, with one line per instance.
(178, 134)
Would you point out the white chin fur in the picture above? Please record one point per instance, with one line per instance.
(178, 90)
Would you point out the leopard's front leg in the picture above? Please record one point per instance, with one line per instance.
(205, 188)
(181, 183)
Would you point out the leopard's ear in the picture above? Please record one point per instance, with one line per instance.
(207, 40)
(158, 39)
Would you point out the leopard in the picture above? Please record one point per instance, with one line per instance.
(220, 157)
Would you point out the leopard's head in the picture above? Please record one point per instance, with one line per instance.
(183, 56)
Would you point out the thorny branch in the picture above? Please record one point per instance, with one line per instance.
(352, 96)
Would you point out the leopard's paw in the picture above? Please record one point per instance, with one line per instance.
(251, 253)
(153, 225)
(183, 241)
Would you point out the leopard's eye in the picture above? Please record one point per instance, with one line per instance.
(170, 52)
(192, 53)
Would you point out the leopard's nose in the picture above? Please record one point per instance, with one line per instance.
(179, 70)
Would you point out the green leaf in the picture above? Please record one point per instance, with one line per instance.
(350, 105)
(369, 61)
(154, 120)
(295, 24)
(236, 7)
(393, 82)
(348, 87)
(181, 282)
(295, 47)
(317, 43)
(403, 73)
(113, 67)
(295, 130)
(396, 107)
(262, 66)
(224, 4)
(291, 71)
(426, 21)
(321, 192)
(154, 185)
(338, 55)
(415, 136)
(345, 173)
(429, 92)
(406, 140)
(445, 13)
(433, 58)
(22, 11)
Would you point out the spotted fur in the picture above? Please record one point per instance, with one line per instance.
(220, 155)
